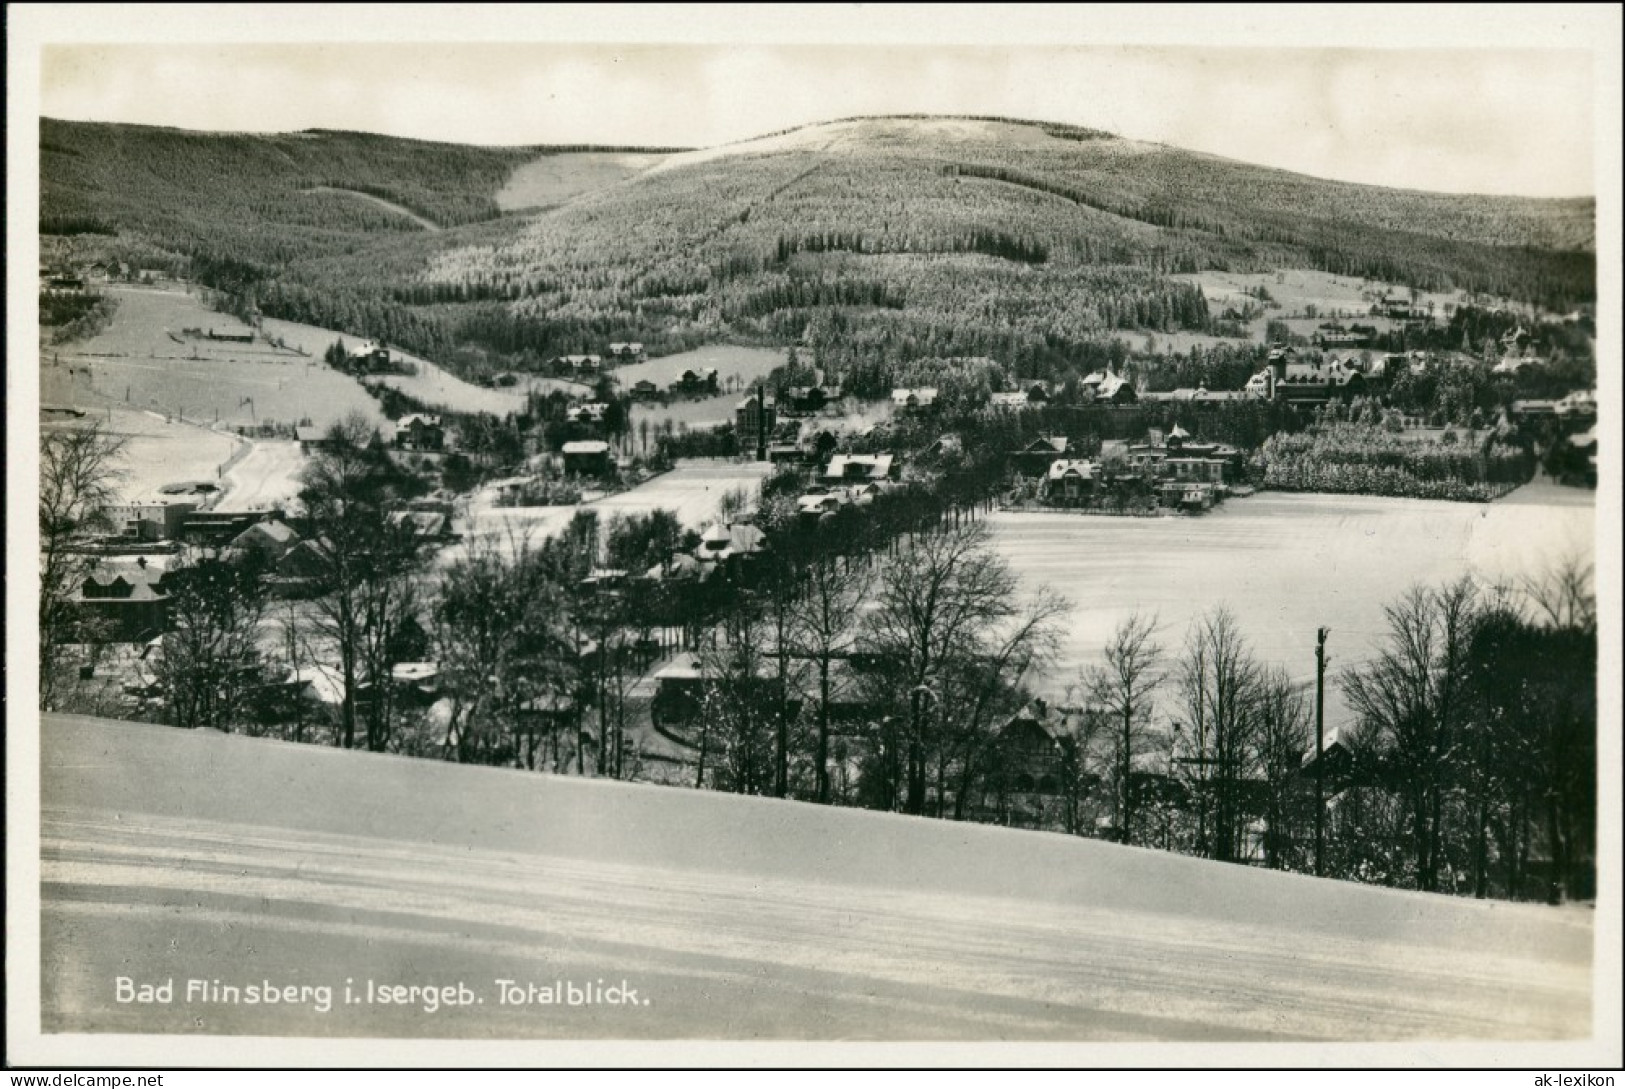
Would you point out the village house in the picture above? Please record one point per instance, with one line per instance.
(1199, 395)
(587, 457)
(861, 468)
(810, 399)
(631, 352)
(588, 412)
(943, 448)
(217, 529)
(680, 693)
(1035, 457)
(124, 602)
(1286, 377)
(301, 572)
(1027, 778)
(1580, 404)
(914, 402)
(817, 506)
(682, 567)
(730, 544)
(1069, 480)
(1011, 401)
(1193, 469)
(1190, 495)
(756, 415)
(61, 283)
(264, 543)
(312, 440)
(645, 390)
(693, 383)
(1333, 334)
(1109, 387)
(1145, 458)
(160, 520)
(232, 338)
(1397, 306)
(420, 431)
(580, 364)
(424, 525)
(367, 357)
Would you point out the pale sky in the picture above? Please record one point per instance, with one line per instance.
(1484, 119)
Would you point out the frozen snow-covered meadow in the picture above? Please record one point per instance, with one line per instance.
(732, 918)
(1285, 564)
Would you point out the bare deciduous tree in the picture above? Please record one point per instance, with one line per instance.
(77, 476)
(350, 492)
(1219, 685)
(1412, 697)
(943, 600)
(211, 658)
(1123, 688)
(1284, 736)
(824, 632)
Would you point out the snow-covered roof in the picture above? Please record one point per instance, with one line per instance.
(859, 466)
(277, 532)
(319, 684)
(1109, 386)
(586, 446)
(1082, 469)
(719, 542)
(818, 504)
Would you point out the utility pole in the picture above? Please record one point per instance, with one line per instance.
(1320, 747)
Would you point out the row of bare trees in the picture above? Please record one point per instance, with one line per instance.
(1470, 766)
(882, 671)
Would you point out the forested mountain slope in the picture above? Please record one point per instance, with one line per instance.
(911, 236)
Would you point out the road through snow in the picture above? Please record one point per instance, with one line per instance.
(176, 855)
(266, 477)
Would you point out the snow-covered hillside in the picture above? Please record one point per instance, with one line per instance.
(169, 854)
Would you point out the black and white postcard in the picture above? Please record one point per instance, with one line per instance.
(817, 535)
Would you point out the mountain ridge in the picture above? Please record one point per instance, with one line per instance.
(926, 234)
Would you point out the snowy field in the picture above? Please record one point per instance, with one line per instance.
(1285, 564)
(158, 451)
(1332, 296)
(557, 178)
(695, 415)
(137, 363)
(731, 918)
(736, 367)
(693, 491)
(431, 385)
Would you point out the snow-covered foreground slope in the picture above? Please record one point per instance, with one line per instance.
(194, 856)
